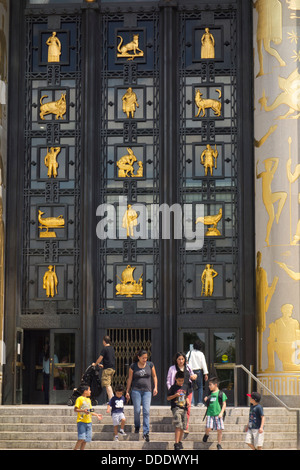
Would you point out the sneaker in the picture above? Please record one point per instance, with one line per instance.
(205, 437)
(176, 446)
(136, 430)
(116, 438)
(146, 437)
(180, 445)
(121, 431)
(219, 447)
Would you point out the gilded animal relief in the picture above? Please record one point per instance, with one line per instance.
(131, 49)
(58, 107)
(290, 96)
(204, 104)
(211, 220)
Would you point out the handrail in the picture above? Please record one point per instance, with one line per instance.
(297, 410)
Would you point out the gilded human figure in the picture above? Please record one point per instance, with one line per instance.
(129, 220)
(51, 162)
(292, 177)
(269, 28)
(269, 198)
(125, 164)
(209, 159)
(264, 294)
(50, 281)
(129, 103)
(54, 48)
(207, 45)
(283, 340)
(207, 280)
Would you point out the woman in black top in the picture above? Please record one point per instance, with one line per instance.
(141, 373)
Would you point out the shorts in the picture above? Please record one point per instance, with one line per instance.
(179, 417)
(84, 431)
(255, 438)
(107, 375)
(214, 422)
(117, 418)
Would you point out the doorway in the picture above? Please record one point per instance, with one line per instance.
(49, 360)
(220, 349)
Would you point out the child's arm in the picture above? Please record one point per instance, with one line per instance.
(223, 409)
(261, 429)
(99, 416)
(108, 408)
(171, 397)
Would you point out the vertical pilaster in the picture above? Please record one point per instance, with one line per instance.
(277, 183)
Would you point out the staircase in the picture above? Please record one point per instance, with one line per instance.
(36, 427)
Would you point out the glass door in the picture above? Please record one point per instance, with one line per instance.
(220, 349)
(62, 365)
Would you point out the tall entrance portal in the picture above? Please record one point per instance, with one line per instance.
(130, 189)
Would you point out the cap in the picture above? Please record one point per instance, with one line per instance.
(255, 395)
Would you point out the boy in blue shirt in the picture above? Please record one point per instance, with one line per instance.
(116, 406)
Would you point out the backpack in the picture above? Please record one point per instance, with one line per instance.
(220, 396)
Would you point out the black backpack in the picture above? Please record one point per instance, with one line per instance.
(220, 396)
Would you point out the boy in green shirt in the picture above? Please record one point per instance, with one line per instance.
(216, 405)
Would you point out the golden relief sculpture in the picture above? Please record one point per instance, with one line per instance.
(288, 97)
(209, 159)
(125, 50)
(50, 281)
(126, 166)
(51, 162)
(129, 220)
(211, 220)
(293, 275)
(207, 45)
(207, 280)
(49, 222)
(283, 340)
(264, 294)
(130, 103)
(260, 142)
(292, 177)
(269, 198)
(293, 5)
(58, 107)
(54, 48)
(269, 28)
(203, 104)
(129, 286)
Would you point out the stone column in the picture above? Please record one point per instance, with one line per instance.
(276, 49)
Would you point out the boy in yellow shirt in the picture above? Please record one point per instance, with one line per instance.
(83, 408)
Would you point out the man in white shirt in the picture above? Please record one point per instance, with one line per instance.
(196, 360)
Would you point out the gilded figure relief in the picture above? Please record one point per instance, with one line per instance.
(207, 45)
(283, 340)
(211, 220)
(289, 96)
(130, 103)
(269, 28)
(51, 161)
(207, 280)
(58, 107)
(204, 104)
(292, 177)
(293, 274)
(264, 294)
(293, 5)
(54, 48)
(131, 49)
(129, 286)
(126, 166)
(269, 198)
(129, 220)
(209, 159)
(50, 281)
(49, 222)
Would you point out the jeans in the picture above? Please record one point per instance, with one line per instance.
(141, 398)
(199, 382)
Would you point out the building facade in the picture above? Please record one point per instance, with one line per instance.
(135, 201)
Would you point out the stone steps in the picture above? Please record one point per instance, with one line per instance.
(53, 427)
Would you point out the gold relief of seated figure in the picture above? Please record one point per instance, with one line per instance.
(126, 166)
